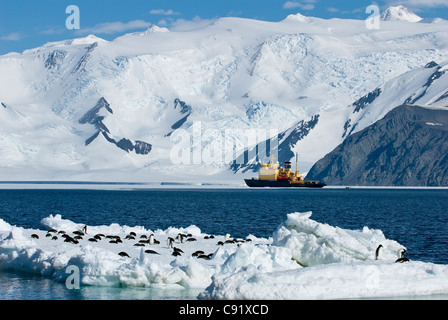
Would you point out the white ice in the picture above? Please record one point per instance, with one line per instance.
(304, 259)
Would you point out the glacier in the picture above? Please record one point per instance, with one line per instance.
(235, 74)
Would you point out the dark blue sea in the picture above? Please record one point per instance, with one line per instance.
(416, 218)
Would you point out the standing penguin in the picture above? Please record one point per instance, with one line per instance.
(151, 239)
(170, 242)
(379, 252)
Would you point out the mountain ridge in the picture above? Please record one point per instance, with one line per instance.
(236, 74)
(405, 148)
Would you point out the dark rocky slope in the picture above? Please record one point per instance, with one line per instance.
(408, 147)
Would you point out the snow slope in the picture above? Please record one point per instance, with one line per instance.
(399, 13)
(304, 259)
(426, 86)
(231, 76)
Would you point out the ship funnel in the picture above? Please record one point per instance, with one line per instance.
(287, 165)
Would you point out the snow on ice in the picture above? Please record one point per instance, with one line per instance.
(304, 259)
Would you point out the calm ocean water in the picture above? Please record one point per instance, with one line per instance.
(416, 218)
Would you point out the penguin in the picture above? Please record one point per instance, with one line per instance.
(180, 237)
(52, 230)
(170, 242)
(34, 236)
(124, 255)
(401, 257)
(197, 253)
(70, 240)
(191, 240)
(379, 252)
(178, 250)
(151, 252)
(151, 239)
(227, 236)
(84, 229)
(176, 253)
(93, 240)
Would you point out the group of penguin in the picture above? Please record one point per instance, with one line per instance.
(401, 252)
(78, 235)
(144, 240)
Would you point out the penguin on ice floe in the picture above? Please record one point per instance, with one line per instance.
(379, 252)
(124, 255)
(401, 257)
(170, 242)
(180, 237)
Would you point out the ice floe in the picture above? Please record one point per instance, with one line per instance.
(304, 259)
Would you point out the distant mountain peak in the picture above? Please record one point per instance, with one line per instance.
(88, 40)
(156, 29)
(399, 13)
(296, 17)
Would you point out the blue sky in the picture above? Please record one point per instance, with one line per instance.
(26, 24)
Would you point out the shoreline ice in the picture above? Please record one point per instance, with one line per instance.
(304, 259)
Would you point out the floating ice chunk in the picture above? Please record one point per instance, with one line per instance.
(334, 281)
(313, 243)
(305, 259)
(4, 226)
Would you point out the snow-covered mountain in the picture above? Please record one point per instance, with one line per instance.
(407, 144)
(89, 109)
(400, 13)
(426, 86)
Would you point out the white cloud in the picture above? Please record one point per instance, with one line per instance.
(188, 25)
(15, 36)
(163, 12)
(114, 27)
(331, 9)
(305, 5)
(291, 5)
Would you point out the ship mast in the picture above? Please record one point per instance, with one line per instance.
(297, 161)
